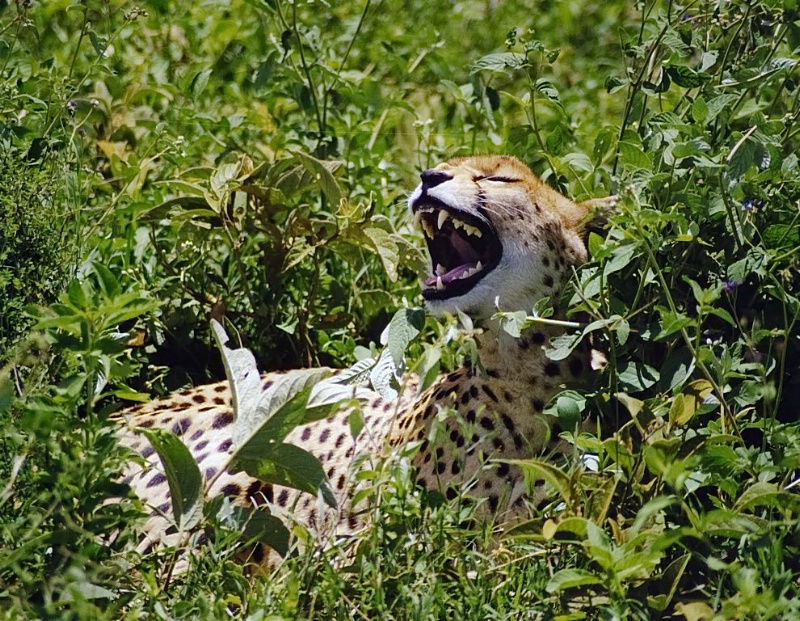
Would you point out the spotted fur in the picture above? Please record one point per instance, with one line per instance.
(488, 412)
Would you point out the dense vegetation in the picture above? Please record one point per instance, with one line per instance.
(250, 158)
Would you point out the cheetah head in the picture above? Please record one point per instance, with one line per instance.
(496, 235)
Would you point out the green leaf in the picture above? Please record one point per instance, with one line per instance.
(387, 249)
(322, 172)
(636, 376)
(283, 464)
(109, 284)
(183, 476)
(567, 406)
(7, 393)
(571, 578)
(633, 157)
(77, 295)
(499, 62)
(539, 469)
(258, 525)
(404, 327)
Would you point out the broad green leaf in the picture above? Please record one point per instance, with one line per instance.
(109, 284)
(635, 376)
(571, 578)
(258, 525)
(76, 295)
(567, 406)
(183, 476)
(322, 172)
(539, 469)
(668, 582)
(386, 248)
(6, 394)
(499, 62)
(283, 464)
(404, 327)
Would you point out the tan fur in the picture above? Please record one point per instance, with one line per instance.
(490, 412)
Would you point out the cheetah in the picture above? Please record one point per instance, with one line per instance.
(499, 239)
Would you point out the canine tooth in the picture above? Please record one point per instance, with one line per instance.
(439, 283)
(478, 267)
(441, 270)
(427, 228)
(443, 215)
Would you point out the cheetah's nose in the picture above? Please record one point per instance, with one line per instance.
(432, 178)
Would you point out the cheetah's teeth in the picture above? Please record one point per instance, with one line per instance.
(439, 283)
(478, 266)
(427, 228)
(441, 270)
(443, 216)
(471, 230)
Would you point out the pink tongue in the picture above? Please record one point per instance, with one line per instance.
(450, 276)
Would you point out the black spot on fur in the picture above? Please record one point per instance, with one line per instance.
(340, 482)
(548, 281)
(473, 391)
(219, 401)
(492, 373)
(222, 420)
(498, 444)
(489, 393)
(471, 416)
(537, 338)
(258, 554)
(305, 435)
(225, 445)
(253, 489)
(147, 451)
(493, 502)
(210, 472)
(507, 422)
(158, 479)
(464, 398)
(450, 493)
(181, 426)
(283, 498)
(323, 437)
(201, 445)
(352, 522)
(220, 388)
(538, 405)
(340, 440)
(441, 467)
(207, 408)
(487, 423)
(503, 469)
(196, 435)
(231, 489)
(455, 467)
(198, 399)
(146, 423)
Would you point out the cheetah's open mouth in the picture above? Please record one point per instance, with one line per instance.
(463, 249)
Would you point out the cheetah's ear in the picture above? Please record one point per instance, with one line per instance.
(597, 211)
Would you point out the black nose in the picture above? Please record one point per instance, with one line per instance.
(432, 178)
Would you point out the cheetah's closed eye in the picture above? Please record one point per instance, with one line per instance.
(498, 238)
